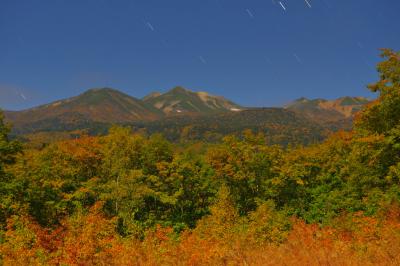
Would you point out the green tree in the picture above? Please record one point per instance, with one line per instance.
(384, 113)
(224, 220)
(9, 187)
(8, 149)
(245, 166)
(156, 150)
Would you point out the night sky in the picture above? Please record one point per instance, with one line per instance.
(254, 52)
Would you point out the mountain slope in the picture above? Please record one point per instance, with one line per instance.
(281, 126)
(341, 110)
(182, 101)
(95, 105)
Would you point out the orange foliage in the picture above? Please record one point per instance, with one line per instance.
(90, 240)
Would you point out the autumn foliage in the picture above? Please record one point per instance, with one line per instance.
(131, 199)
(90, 240)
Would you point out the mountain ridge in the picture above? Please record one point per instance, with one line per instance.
(179, 109)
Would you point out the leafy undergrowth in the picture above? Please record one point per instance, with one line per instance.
(217, 240)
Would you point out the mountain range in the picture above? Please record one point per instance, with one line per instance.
(180, 109)
(108, 105)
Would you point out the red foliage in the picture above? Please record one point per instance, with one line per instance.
(91, 240)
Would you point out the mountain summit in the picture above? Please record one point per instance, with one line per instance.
(180, 100)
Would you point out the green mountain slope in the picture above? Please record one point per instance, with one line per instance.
(182, 101)
(95, 105)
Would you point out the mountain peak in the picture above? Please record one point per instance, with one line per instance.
(179, 89)
(96, 96)
(347, 100)
(105, 105)
(100, 90)
(302, 100)
(181, 100)
(151, 95)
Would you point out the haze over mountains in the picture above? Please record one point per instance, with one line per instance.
(181, 111)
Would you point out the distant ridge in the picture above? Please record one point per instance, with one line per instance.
(323, 110)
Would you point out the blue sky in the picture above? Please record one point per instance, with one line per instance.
(254, 52)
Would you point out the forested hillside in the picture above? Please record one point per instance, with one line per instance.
(279, 125)
(132, 199)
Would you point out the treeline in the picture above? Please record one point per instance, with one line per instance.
(127, 199)
(280, 125)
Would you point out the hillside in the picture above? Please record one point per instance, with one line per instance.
(93, 106)
(335, 112)
(183, 101)
(280, 126)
